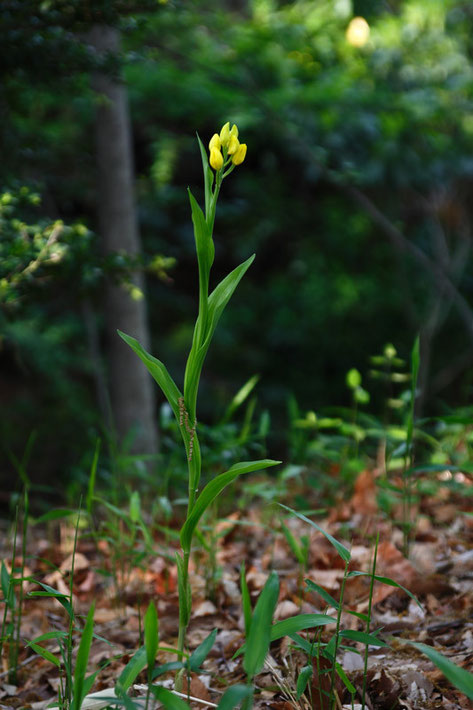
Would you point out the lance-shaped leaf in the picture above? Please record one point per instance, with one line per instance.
(208, 175)
(234, 696)
(202, 651)
(158, 371)
(341, 549)
(217, 301)
(212, 490)
(81, 686)
(151, 636)
(459, 677)
(168, 699)
(288, 627)
(257, 644)
(131, 671)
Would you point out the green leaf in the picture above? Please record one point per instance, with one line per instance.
(343, 676)
(208, 175)
(168, 699)
(92, 478)
(158, 371)
(45, 654)
(302, 680)
(353, 379)
(286, 627)
(325, 595)
(135, 507)
(203, 242)
(296, 549)
(131, 671)
(234, 696)
(212, 490)
(245, 600)
(341, 549)
(5, 581)
(202, 651)
(57, 635)
(220, 296)
(55, 514)
(257, 643)
(209, 316)
(151, 635)
(82, 661)
(240, 397)
(459, 677)
(166, 667)
(386, 580)
(362, 637)
(51, 592)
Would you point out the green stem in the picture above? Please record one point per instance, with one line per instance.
(368, 622)
(183, 626)
(337, 631)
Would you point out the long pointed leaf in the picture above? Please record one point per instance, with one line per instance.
(388, 581)
(168, 699)
(158, 371)
(341, 549)
(257, 644)
(132, 669)
(234, 696)
(202, 651)
(151, 636)
(459, 677)
(82, 660)
(212, 490)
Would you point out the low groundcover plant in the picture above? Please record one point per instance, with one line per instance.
(226, 152)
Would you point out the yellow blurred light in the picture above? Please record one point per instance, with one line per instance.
(358, 32)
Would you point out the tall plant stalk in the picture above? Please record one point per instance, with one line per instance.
(226, 152)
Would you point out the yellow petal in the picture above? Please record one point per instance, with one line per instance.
(239, 156)
(216, 159)
(234, 131)
(225, 134)
(215, 141)
(233, 145)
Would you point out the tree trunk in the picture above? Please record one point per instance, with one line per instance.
(131, 389)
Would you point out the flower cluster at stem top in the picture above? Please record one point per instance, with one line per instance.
(225, 148)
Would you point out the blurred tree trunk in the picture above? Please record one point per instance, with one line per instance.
(131, 389)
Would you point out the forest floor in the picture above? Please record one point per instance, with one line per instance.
(438, 571)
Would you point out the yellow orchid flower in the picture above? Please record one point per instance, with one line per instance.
(240, 154)
(233, 144)
(215, 142)
(216, 159)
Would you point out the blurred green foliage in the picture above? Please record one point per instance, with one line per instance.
(354, 152)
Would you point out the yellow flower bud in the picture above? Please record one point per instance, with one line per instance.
(216, 159)
(234, 131)
(233, 144)
(215, 142)
(240, 154)
(225, 135)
